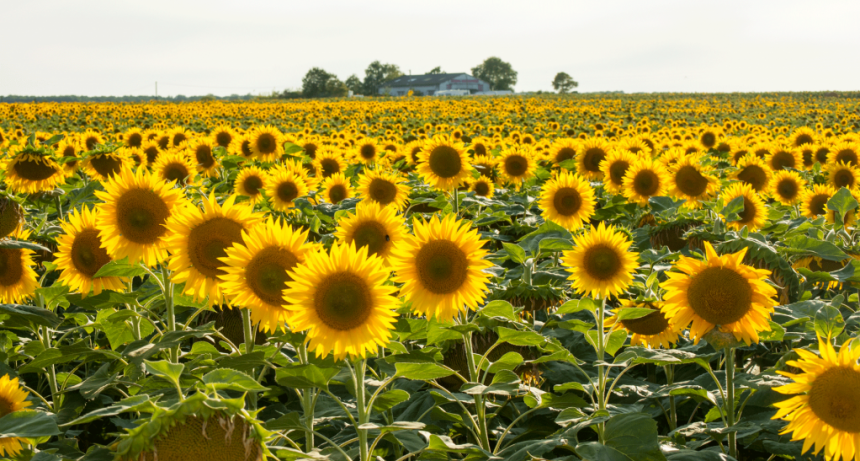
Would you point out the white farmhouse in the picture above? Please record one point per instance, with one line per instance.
(429, 84)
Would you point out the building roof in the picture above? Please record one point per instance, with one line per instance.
(420, 80)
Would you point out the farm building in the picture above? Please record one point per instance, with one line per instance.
(429, 84)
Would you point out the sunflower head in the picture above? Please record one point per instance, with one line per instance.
(266, 143)
(81, 253)
(12, 398)
(30, 170)
(517, 164)
(645, 179)
(329, 161)
(690, 180)
(175, 166)
(11, 217)
(567, 200)
(443, 163)
(842, 175)
(249, 182)
(601, 263)
(755, 172)
(376, 227)
(283, 186)
(754, 214)
(813, 202)
(482, 187)
(614, 167)
(652, 330)
(384, 188)
(337, 188)
(787, 187)
(591, 154)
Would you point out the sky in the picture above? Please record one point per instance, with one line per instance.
(113, 48)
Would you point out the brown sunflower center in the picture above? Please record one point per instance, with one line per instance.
(826, 265)
(847, 156)
(817, 204)
(617, 171)
(808, 159)
(445, 161)
(246, 148)
(204, 156)
(382, 191)
(163, 142)
(88, 256)
(311, 150)
(266, 143)
(179, 138)
(787, 189)
(213, 439)
(11, 266)
(11, 216)
(337, 193)
(69, 151)
(593, 158)
(601, 262)
(843, 178)
(565, 153)
(175, 171)
(651, 324)
(567, 201)
(802, 139)
(252, 185)
(208, 241)
(343, 301)
(140, 216)
(720, 295)
(755, 176)
(516, 165)
(287, 191)
(442, 267)
(329, 167)
(135, 140)
(414, 154)
(223, 139)
(106, 165)
(480, 149)
(482, 188)
(782, 160)
(267, 276)
(91, 142)
(373, 235)
(151, 154)
(367, 151)
(34, 169)
(646, 183)
(749, 213)
(709, 139)
(821, 155)
(690, 181)
(834, 398)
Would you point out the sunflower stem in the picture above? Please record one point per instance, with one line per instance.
(457, 201)
(480, 409)
(171, 312)
(60, 208)
(601, 369)
(363, 412)
(730, 401)
(673, 413)
(308, 401)
(248, 331)
(46, 341)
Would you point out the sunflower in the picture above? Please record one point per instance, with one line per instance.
(367, 151)
(89, 139)
(242, 146)
(68, 150)
(802, 135)
(482, 187)
(842, 175)
(709, 138)
(283, 187)
(754, 213)
(336, 189)
(203, 151)
(755, 172)
(591, 154)
(133, 137)
(813, 202)
(131, 221)
(563, 149)
(12, 398)
(223, 136)
(652, 331)
(31, 170)
(486, 166)
(80, 254)
(174, 165)
(18, 281)
(645, 179)
(342, 300)
(601, 263)
(671, 157)
(517, 165)
(690, 180)
(255, 270)
(480, 146)
(720, 290)
(151, 150)
(614, 167)
(11, 217)
(824, 411)
(374, 226)
(787, 187)
(249, 182)
(266, 143)
(386, 189)
(443, 163)
(567, 200)
(329, 161)
(821, 152)
(197, 239)
(844, 152)
(442, 267)
(102, 166)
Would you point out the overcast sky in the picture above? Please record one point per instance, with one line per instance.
(95, 48)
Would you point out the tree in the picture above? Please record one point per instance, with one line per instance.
(334, 88)
(376, 74)
(499, 74)
(436, 70)
(354, 84)
(314, 83)
(563, 83)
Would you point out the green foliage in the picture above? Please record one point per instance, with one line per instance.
(499, 74)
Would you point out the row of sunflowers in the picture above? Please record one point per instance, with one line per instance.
(632, 277)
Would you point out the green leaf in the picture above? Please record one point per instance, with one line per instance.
(28, 424)
(820, 248)
(225, 378)
(305, 376)
(422, 371)
(499, 308)
(22, 245)
(828, 322)
(136, 403)
(630, 313)
(776, 333)
(509, 361)
(389, 399)
(733, 209)
(520, 338)
(615, 341)
(37, 315)
(629, 436)
(290, 148)
(517, 254)
(556, 244)
(165, 370)
(120, 268)
(841, 203)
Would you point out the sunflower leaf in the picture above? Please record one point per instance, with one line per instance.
(119, 268)
(22, 245)
(631, 313)
(828, 322)
(732, 209)
(422, 371)
(841, 203)
(820, 248)
(28, 424)
(37, 315)
(516, 252)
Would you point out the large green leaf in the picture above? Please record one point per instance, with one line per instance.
(37, 315)
(422, 371)
(28, 424)
(628, 437)
(305, 376)
(225, 378)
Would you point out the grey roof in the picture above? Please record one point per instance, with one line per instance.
(420, 80)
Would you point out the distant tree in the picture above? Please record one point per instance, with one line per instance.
(334, 88)
(499, 74)
(354, 84)
(563, 83)
(376, 74)
(436, 70)
(314, 83)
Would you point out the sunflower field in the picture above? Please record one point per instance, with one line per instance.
(601, 278)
